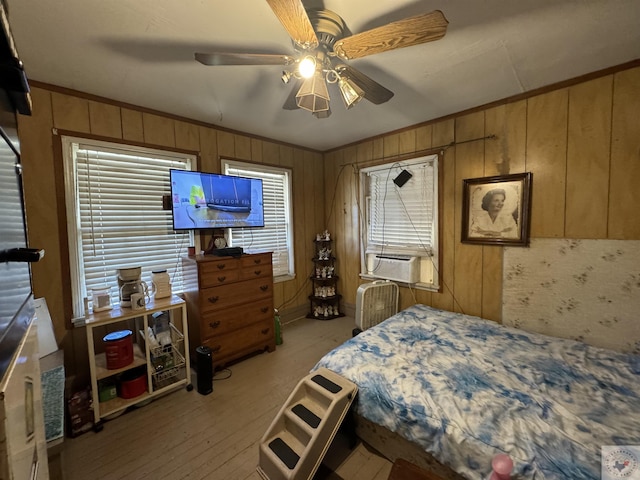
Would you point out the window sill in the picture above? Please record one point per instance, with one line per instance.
(283, 278)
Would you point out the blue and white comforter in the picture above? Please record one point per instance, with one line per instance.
(465, 389)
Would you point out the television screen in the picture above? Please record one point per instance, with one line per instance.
(211, 200)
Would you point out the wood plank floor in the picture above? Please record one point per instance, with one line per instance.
(188, 435)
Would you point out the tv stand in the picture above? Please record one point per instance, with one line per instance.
(227, 252)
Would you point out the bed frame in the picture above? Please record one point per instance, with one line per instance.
(392, 446)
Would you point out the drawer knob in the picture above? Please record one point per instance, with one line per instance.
(257, 261)
(213, 299)
(216, 349)
(222, 279)
(221, 266)
(264, 309)
(264, 288)
(215, 324)
(264, 331)
(257, 272)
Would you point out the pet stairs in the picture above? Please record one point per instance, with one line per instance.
(298, 438)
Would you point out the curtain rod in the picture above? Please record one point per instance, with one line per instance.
(438, 149)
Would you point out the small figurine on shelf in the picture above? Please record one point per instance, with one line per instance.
(324, 236)
(330, 270)
(324, 253)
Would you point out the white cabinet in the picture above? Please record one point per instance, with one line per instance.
(23, 450)
(165, 364)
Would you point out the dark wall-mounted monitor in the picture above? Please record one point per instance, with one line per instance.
(210, 200)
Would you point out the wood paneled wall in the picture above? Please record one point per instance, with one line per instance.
(43, 182)
(582, 144)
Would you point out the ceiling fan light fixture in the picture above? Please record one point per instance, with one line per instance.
(351, 93)
(323, 114)
(313, 94)
(307, 67)
(286, 76)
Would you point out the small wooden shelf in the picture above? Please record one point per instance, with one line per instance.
(333, 278)
(331, 299)
(324, 281)
(176, 312)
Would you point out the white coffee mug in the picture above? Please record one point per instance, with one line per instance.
(137, 301)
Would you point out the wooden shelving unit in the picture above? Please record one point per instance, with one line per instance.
(139, 322)
(324, 301)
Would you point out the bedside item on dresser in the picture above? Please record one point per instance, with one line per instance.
(161, 283)
(133, 383)
(227, 252)
(129, 282)
(118, 349)
(101, 298)
(138, 301)
(230, 310)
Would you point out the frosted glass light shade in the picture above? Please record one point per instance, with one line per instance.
(313, 94)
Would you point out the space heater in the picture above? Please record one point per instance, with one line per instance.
(375, 302)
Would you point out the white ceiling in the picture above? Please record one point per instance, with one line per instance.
(141, 52)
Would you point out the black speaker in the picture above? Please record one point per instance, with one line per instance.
(204, 370)
(402, 178)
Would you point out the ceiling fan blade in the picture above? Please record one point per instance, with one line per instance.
(243, 59)
(295, 21)
(290, 103)
(403, 33)
(373, 91)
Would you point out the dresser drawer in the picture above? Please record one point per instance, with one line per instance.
(218, 272)
(220, 322)
(256, 271)
(256, 259)
(223, 296)
(239, 342)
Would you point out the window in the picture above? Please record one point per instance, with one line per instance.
(115, 215)
(401, 201)
(277, 234)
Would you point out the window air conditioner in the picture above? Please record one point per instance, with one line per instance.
(399, 268)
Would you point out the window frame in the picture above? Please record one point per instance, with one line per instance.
(68, 144)
(252, 169)
(429, 262)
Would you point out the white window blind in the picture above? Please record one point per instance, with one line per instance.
(403, 219)
(118, 216)
(276, 236)
(401, 222)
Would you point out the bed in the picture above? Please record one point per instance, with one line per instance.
(463, 389)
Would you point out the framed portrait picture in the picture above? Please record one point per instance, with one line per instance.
(496, 210)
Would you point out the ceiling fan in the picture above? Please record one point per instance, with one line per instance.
(321, 50)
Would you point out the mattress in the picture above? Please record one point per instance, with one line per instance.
(465, 389)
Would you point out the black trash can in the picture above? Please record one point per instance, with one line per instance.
(204, 370)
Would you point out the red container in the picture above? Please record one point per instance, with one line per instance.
(118, 348)
(133, 383)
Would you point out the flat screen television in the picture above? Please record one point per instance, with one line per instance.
(203, 200)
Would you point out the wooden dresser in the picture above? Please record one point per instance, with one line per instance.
(230, 308)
